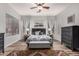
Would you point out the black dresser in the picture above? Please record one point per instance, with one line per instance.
(2, 42)
(70, 37)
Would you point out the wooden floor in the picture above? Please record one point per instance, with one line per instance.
(21, 45)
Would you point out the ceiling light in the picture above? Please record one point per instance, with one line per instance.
(39, 7)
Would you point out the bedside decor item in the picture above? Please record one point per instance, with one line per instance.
(71, 19)
(27, 30)
(49, 31)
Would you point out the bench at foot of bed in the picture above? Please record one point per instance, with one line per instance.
(39, 44)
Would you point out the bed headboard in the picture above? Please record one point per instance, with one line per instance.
(38, 31)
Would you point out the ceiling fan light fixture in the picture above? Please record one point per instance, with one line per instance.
(39, 7)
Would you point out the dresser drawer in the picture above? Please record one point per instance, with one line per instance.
(2, 42)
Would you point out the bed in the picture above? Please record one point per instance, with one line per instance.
(39, 41)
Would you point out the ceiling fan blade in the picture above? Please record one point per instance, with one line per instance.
(46, 7)
(39, 11)
(39, 4)
(33, 7)
(42, 3)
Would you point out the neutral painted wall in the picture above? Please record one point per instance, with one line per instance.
(2, 19)
(51, 20)
(11, 39)
(26, 20)
(6, 9)
(61, 19)
(34, 19)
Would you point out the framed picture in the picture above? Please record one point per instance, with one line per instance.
(12, 25)
(38, 25)
(71, 19)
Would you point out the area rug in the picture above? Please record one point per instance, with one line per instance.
(34, 52)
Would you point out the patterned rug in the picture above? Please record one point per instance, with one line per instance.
(34, 52)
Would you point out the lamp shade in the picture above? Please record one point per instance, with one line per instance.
(27, 29)
(49, 29)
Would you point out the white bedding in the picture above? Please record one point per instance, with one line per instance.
(39, 38)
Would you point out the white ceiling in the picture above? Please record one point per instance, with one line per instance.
(24, 8)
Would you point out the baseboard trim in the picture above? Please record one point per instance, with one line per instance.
(11, 44)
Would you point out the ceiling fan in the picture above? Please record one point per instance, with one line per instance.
(40, 6)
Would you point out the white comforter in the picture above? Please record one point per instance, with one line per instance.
(39, 38)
